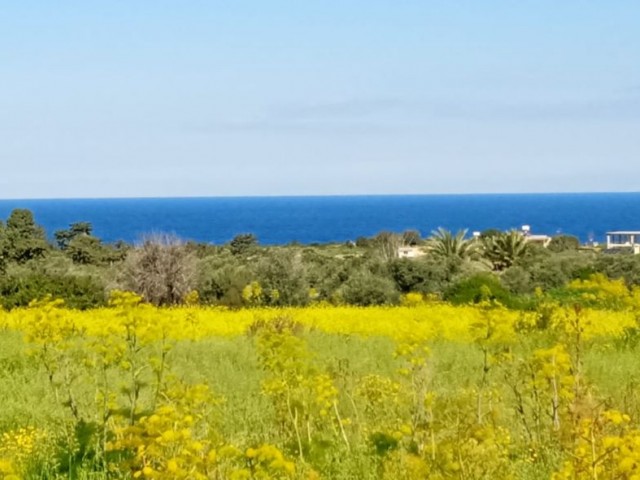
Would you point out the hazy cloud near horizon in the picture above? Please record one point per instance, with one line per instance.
(161, 99)
(396, 114)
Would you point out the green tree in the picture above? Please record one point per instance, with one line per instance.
(557, 269)
(243, 244)
(283, 278)
(86, 250)
(365, 288)
(221, 278)
(23, 239)
(517, 280)
(3, 260)
(505, 249)
(78, 243)
(424, 275)
(445, 244)
(482, 286)
(18, 290)
(620, 266)
(65, 237)
(561, 243)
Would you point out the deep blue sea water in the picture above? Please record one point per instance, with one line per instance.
(278, 220)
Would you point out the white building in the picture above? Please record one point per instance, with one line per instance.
(624, 239)
(543, 240)
(410, 252)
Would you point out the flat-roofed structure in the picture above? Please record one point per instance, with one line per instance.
(543, 240)
(410, 252)
(624, 239)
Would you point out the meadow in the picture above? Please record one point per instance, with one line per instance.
(422, 390)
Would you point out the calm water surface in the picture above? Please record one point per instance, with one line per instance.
(277, 220)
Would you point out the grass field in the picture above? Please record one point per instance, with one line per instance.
(422, 391)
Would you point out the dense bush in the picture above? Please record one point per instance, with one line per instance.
(77, 291)
(479, 287)
(21, 239)
(221, 280)
(365, 289)
(561, 243)
(518, 281)
(619, 266)
(423, 275)
(283, 278)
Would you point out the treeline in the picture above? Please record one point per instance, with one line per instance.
(81, 269)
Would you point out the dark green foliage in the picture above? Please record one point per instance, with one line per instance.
(446, 244)
(22, 239)
(366, 289)
(561, 243)
(490, 232)
(88, 250)
(505, 249)
(77, 291)
(551, 271)
(326, 273)
(363, 242)
(3, 259)
(65, 237)
(283, 278)
(221, 280)
(383, 443)
(518, 281)
(619, 266)
(424, 275)
(243, 244)
(364, 272)
(479, 287)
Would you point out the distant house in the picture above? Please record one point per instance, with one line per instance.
(624, 239)
(543, 240)
(410, 252)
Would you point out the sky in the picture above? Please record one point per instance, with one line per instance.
(132, 98)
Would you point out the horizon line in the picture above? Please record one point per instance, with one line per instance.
(337, 195)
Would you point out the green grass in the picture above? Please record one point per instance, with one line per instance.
(230, 366)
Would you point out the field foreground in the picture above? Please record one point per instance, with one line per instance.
(427, 390)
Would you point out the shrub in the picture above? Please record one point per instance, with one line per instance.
(80, 292)
(483, 286)
(517, 280)
(561, 243)
(365, 289)
(161, 270)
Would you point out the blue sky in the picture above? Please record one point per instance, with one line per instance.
(196, 98)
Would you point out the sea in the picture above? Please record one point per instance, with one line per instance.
(322, 219)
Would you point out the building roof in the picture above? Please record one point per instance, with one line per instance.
(624, 232)
(538, 237)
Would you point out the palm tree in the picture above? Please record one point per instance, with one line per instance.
(504, 249)
(444, 243)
